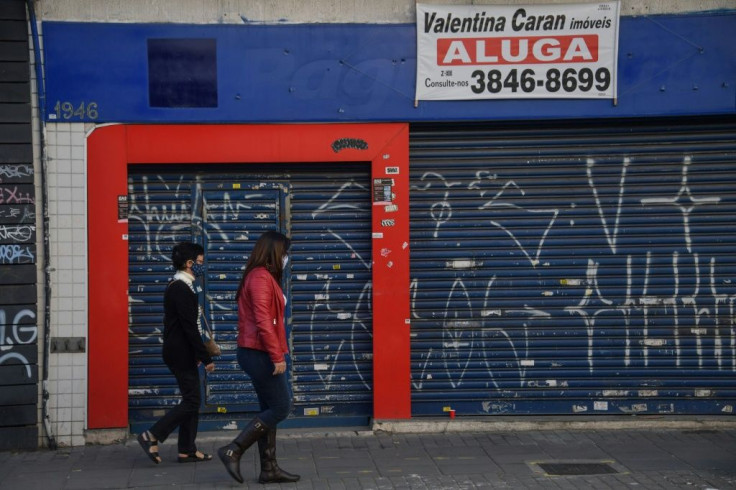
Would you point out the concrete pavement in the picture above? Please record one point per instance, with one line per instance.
(700, 456)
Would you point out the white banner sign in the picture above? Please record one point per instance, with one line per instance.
(504, 52)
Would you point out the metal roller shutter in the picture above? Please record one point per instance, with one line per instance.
(234, 214)
(582, 267)
(327, 214)
(331, 317)
(160, 216)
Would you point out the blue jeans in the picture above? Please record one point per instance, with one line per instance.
(274, 395)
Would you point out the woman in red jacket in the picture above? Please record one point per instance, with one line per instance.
(261, 350)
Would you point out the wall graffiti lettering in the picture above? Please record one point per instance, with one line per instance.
(18, 233)
(672, 307)
(15, 172)
(14, 195)
(17, 214)
(161, 220)
(17, 254)
(16, 333)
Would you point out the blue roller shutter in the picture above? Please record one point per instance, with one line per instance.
(567, 268)
(160, 215)
(234, 214)
(331, 319)
(328, 285)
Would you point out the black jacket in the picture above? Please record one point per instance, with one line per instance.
(183, 345)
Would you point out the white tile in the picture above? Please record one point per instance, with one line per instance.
(79, 306)
(64, 249)
(63, 317)
(63, 165)
(64, 194)
(79, 373)
(78, 208)
(64, 428)
(64, 400)
(64, 207)
(65, 386)
(79, 263)
(78, 167)
(63, 138)
(63, 440)
(53, 358)
(64, 180)
(65, 275)
(64, 373)
(63, 221)
(64, 152)
(65, 359)
(66, 330)
(65, 235)
(77, 155)
(78, 136)
(79, 318)
(78, 403)
(79, 386)
(64, 415)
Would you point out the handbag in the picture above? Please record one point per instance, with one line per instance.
(213, 349)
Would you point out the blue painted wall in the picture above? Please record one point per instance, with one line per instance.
(668, 65)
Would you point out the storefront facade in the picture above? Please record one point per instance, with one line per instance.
(492, 257)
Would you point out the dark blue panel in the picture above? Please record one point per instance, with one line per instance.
(668, 65)
(182, 72)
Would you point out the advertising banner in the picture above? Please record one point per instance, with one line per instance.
(517, 52)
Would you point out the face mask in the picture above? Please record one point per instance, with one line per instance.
(197, 269)
(284, 261)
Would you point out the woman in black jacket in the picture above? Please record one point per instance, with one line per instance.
(183, 351)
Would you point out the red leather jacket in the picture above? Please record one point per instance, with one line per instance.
(261, 315)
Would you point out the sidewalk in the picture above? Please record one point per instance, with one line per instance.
(702, 458)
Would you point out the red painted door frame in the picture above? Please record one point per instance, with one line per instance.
(111, 149)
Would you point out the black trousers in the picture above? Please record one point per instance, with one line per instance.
(185, 415)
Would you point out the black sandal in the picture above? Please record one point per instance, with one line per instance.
(193, 458)
(146, 442)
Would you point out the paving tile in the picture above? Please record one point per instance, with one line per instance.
(650, 459)
(94, 479)
(47, 481)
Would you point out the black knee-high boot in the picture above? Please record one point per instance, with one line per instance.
(230, 454)
(270, 471)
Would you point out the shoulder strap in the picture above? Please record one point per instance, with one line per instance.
(207, 327)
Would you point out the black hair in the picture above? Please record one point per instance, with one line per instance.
(183, 252)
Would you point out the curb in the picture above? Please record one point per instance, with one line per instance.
(514, 424)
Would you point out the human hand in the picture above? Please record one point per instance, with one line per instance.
(210, 367)
(279, 368)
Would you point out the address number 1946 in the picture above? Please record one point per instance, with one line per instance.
(67, 110)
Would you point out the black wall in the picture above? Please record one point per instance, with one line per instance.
(18, 312)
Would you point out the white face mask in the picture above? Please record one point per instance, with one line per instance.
(284, 261)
